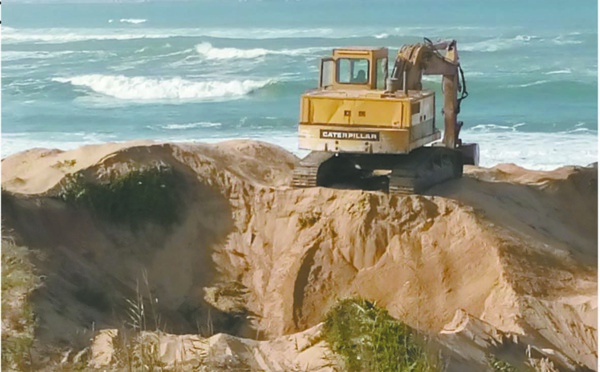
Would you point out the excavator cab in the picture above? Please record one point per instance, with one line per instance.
(355, 68)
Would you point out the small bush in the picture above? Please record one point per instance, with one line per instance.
(137, 197)
(367, 338)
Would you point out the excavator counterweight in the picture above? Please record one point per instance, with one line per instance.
(370, 129)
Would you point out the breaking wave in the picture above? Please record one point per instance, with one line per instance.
(150, 89)
(208, 51)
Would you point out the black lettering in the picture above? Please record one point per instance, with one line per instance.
(350, 135)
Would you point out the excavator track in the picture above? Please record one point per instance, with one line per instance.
(426, 168)
(305, 174)
(408, 174)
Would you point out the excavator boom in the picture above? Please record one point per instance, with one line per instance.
(414, 61)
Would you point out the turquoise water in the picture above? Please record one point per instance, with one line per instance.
(207, 70)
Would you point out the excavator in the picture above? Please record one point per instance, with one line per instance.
(372, 131)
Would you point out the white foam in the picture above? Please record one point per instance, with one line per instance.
(57, 36)
(496, 44)
(537, 82)
(580, 130)
(18, 83)
(556, 72)
(148, 89)
(541, 151)
(63, 35)
(202, 124)
(210, 52)
(303, 51)
(135, 21)
(487, 128)
(561, 40)
(12, 55)
(525, 37)
(416, 31)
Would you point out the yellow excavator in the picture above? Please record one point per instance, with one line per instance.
(372, 131)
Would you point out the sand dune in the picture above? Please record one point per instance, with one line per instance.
(505, 255)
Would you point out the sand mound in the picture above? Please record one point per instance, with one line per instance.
(302, 351)
(513, 249)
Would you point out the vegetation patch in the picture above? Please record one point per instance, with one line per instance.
(18, 321)
(137, 351)
(499, 365)
(367, 338)
(147, 195)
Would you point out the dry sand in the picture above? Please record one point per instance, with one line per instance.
(503, 260)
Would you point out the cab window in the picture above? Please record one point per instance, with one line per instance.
(352, 71)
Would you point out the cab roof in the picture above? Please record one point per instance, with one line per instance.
(369, 48)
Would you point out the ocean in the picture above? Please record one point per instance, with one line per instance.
(92, 72)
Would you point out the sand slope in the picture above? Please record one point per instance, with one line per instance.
(502, 252)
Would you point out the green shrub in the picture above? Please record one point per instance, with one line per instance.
(367, 338)
(134, 198)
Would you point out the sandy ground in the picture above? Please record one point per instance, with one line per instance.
(503, 260)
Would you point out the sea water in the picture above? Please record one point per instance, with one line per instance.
(77, 73)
